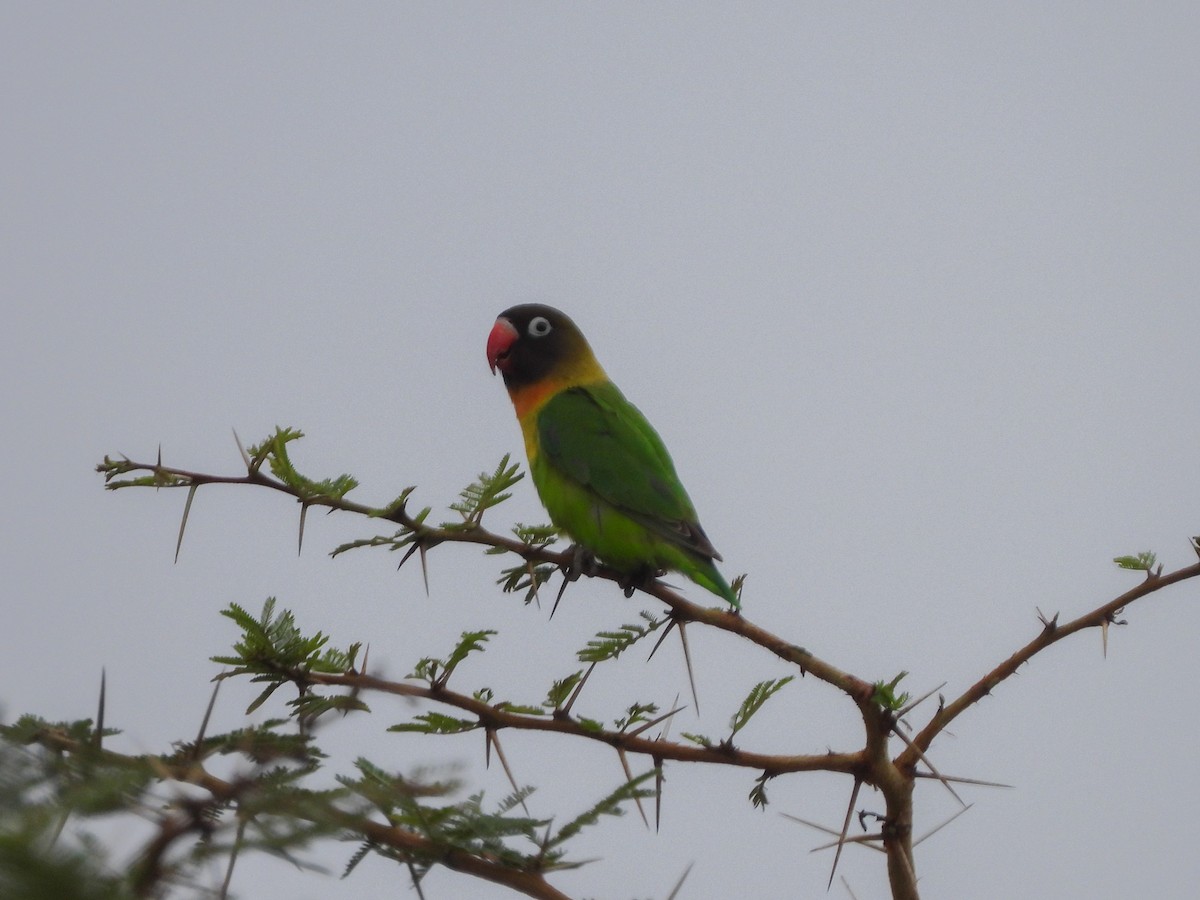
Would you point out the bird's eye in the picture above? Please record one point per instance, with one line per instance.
(539, 326)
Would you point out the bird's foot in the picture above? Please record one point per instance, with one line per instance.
(582, 562)
(639, 580)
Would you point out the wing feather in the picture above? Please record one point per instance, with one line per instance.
(600, 440)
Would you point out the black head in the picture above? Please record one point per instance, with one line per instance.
(532, 341)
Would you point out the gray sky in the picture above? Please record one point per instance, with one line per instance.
(908, 289)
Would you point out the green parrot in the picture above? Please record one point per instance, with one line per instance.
(600, 469)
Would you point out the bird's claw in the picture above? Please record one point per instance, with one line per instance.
(582, 562)
(639, 581)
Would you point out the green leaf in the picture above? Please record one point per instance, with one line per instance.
(438, 671)
(561, 690)
(885, 694)
(111, 468)
(272, 649)
(636, 715)
(520, 709)
(394, 542)
(758, 793)
(611, 644)
(464, 826)
(39, 790)
(311, 705)
(609, 806)
(536, 536)
(471, 641)
(275, 452)
(396, 505)
(480, 496)
(28, 729)
(262, 744)
(437, 723)
(1143, 562)
(526, 577)
(759, 694)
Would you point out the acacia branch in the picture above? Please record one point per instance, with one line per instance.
(495, 718)
(871, 765)
(480, 865)
(1051, 634)
(874, 765)
(473, 533)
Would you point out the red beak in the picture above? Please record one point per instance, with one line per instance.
(499, 343)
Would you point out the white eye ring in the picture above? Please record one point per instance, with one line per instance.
(539, 326)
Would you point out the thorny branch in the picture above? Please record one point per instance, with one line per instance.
(223, 791)
(873, 765)
(1051, 634)
(494, 718)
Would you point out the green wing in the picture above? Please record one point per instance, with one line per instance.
(601, 441)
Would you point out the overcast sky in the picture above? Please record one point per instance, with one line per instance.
(910, 291)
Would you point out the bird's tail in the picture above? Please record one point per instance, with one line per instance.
(705, 574)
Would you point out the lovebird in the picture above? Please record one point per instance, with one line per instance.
(600, 469)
